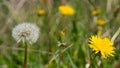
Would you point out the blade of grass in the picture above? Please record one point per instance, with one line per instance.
(73, 65)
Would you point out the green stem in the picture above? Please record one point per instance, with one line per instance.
(75, 31)
(25, 56)
(71, 61)
(92, 60)
(92, 4)
(60, 57)
(99, 33)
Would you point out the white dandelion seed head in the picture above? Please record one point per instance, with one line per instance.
(26, 32)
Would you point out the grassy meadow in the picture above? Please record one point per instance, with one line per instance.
(85, 34)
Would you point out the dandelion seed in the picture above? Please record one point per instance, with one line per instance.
(26, 32)
(66, 10)
(102, 45)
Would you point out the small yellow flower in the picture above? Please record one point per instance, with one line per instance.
(100, 22)
(102, 45)
(41, 12)
(96, 12)
(66, 10)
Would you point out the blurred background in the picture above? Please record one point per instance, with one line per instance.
(75, 31)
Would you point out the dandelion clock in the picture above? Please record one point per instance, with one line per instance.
(28, 33)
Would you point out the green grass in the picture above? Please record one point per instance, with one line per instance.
(79, 28)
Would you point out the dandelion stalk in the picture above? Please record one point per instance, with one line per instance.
(99, 33)
(60, 57)
(93, 63)
(59, 54)
(60, 45)
(74, 28)
(25, 55)
(75, 31)
(27, 33)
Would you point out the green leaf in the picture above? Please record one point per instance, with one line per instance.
(73, 65)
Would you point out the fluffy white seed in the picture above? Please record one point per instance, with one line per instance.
(26, 32)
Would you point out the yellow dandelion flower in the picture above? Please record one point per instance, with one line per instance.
(66, 10)
(41, 12)
(96, 12)
(102, 45)
(100, 22)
